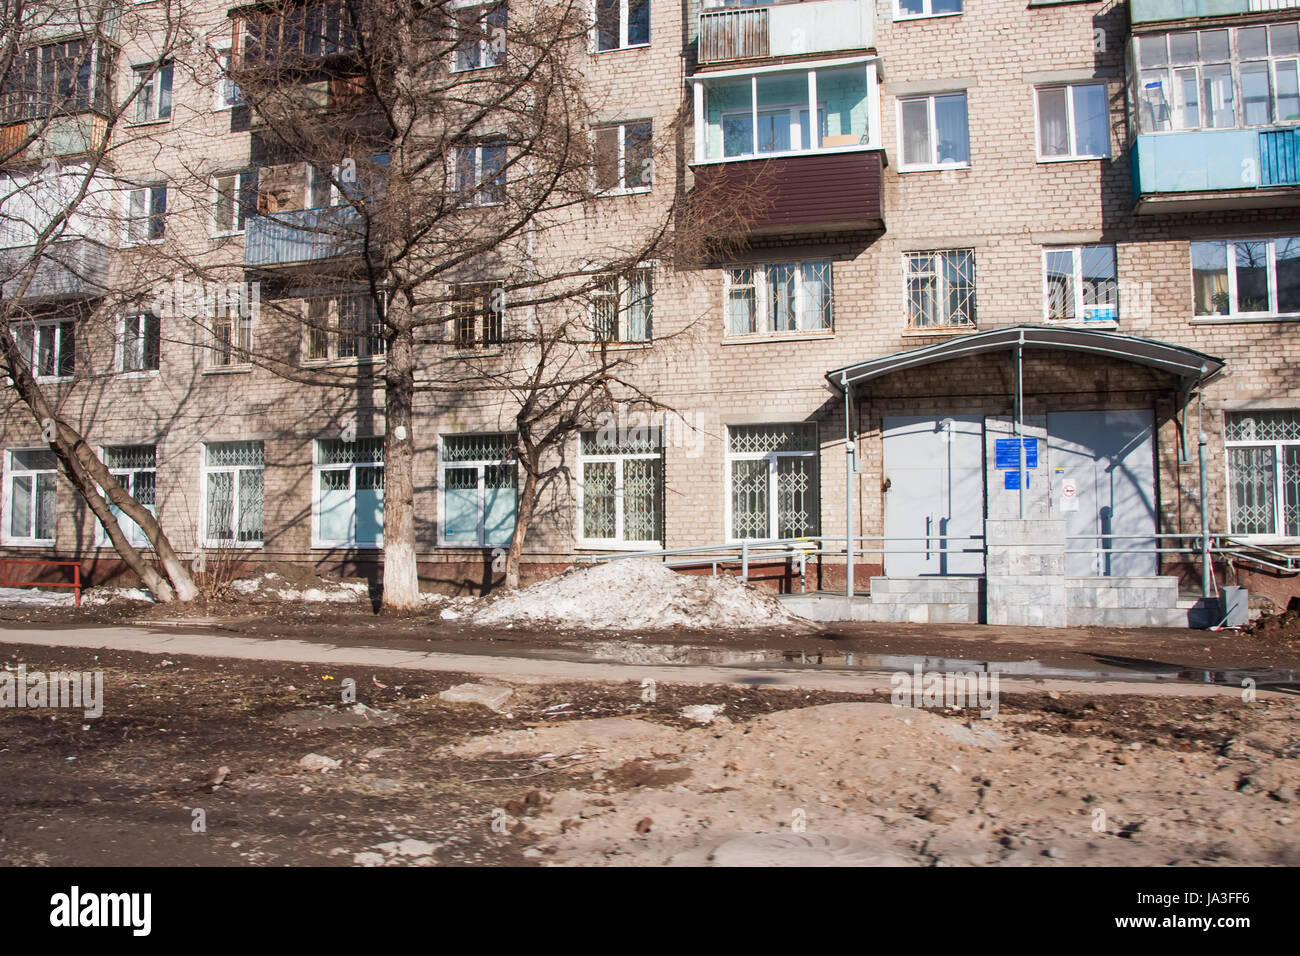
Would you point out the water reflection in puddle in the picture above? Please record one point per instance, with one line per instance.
(635, 652)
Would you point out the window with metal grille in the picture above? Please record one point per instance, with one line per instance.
(478, 315)
(348, 507)
(31, 496)
(778, 297)
(773, 481)
(136, 469)
(233, 493)
(478, 491)
(621, 493)
(940, 288)
(1263, 449)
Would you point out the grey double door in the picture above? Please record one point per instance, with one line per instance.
(934, 501)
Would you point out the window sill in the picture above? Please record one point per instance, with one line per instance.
(622, 49)
(624, 191)
(755, 338)
(585, 545)
(619, 346)
(54, 379)
(940, 330)
(141, 243)
(933, 167)
(150, 122)
(1245, 317)
(463, 546)
(904, 17)
(337, 545)
(474, 69)
(27, 543)
(139, 373)
(228, 369)
(1070, 159)
(1107, 324)
(234, 234)
(218, 545)
(342, 363)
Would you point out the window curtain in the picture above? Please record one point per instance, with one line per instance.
(742, 315)
(815, 311)
(950, 122)
(639, 298)
(1053, 132)
(1210, 278)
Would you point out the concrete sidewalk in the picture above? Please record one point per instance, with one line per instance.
(535, 670)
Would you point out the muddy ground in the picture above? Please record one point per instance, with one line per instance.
(594, 774)
(1267, 646)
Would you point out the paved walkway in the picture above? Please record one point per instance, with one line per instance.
(528, 669)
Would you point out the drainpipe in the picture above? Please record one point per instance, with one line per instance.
(1020, 417)
(1202, 441)
(848, 487)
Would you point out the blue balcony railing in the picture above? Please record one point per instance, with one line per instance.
(302, 235)
(1223, 160)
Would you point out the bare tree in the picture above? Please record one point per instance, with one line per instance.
(59, 127)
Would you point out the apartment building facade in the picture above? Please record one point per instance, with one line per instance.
(1015, 258)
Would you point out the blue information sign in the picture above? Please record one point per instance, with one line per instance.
(1007, 454)
(1011, 480)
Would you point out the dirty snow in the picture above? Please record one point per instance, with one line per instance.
(36, 597)
(636, 593)
(273, 586)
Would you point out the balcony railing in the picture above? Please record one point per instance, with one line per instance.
(1232, 161)
(784, 29)
(302, 235)
(72, 268)
(1151, 11)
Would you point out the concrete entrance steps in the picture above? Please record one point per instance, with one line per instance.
(1139, 601)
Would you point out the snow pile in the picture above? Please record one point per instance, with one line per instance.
(107, 595)
(271, 586)
(34, 597)
(634, 593)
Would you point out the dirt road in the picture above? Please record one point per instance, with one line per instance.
(576, 771)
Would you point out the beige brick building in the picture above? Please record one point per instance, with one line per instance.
(1107, 174)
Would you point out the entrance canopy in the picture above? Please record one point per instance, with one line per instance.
(1178, 360)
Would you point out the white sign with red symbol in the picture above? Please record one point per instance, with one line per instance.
(1069, 495)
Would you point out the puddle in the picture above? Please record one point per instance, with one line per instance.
(633, 652)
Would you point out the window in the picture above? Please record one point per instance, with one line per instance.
(69, 77)
(622, 487)
(940, 288)
(153, 100)
(624, 157)
(623, 308)
(823, 108)
(622, 23)
(1246, 277)
(139, 342)
(31, 496)
(1081, 284)
(146, 214)
(478, 313)
(232, 334)
(1073, 122)
(481, 173)
(345, 327)
(233, 493)
(933, 130)
(234, 200)
(1264, 472)
(479, 491)
(1218, 79)
(911, 9)
(773, 485)
(136, 469)
(227, 93)
(50, 348)
(348, 510)
(778, 297)
(480, 36)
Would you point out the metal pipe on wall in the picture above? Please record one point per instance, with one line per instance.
(848, 487)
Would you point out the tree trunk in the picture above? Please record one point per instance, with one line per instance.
(523, 518)
(401, 577)
(74, 453)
